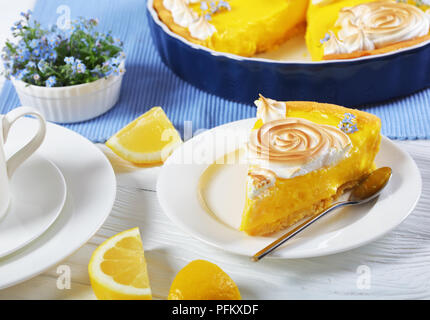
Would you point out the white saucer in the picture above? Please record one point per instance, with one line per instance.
(347, 229)
(38, 196)
(91, 191)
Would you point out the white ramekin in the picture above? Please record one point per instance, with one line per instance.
(73, 103)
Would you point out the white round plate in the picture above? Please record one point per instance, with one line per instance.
(38, 195)
(178, 184)
(91, 191)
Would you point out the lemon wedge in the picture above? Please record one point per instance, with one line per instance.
(117, 268)
(203, 280)
(149, 139)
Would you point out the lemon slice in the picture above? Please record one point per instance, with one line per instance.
(203, 280)
(151, 138)
(117, 268)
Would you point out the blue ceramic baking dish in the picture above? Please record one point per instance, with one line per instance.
(350, 83)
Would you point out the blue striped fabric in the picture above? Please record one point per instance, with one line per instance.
(149, 83)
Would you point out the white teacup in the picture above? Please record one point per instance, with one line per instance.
(8, 167)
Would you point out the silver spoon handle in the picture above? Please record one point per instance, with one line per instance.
(290, 234)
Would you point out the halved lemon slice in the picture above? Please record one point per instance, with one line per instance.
(117, 268)
(151, 138)
(203, 280)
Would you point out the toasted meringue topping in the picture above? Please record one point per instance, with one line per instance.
(182, 14)
(201, 29)
(376, 24)
(270, 110)
(335, 46)
(292, 146)
(168, 4)
(295, 141)
(355, 42)
(259, 179)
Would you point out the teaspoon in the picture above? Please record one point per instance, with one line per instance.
(365, 191)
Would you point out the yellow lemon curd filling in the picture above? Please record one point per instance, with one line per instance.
(250, 27)
(253, 26)
(290, 200)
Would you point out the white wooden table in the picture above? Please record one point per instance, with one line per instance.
(396, 267)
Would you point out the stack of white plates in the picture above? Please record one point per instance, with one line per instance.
(60, 197)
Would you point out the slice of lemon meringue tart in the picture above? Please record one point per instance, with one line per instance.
(302, 156)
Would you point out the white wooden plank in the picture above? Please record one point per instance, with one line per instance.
(398, 262)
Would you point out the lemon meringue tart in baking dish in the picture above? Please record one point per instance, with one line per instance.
(334, 29)
(346, 29)
(302, 156)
